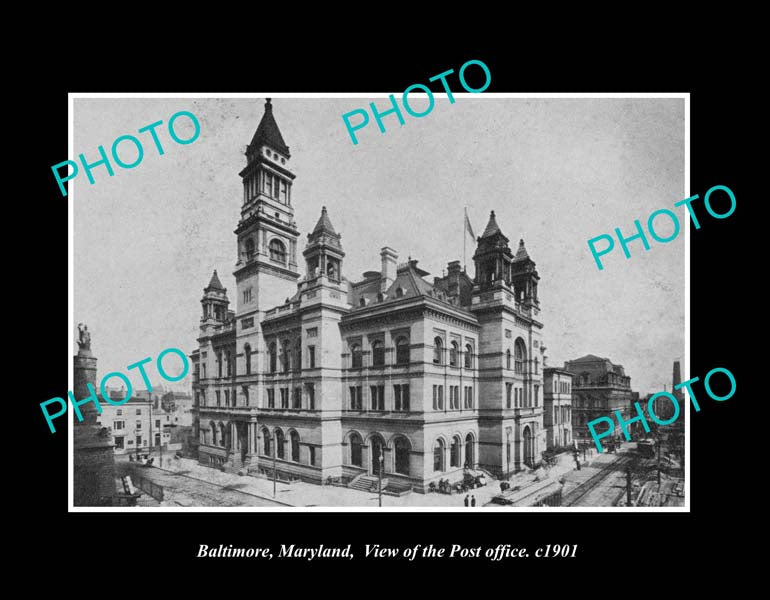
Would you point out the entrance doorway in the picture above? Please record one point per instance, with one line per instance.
(529, 449)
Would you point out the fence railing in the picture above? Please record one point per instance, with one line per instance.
(147, 486)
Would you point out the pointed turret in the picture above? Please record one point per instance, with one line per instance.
(268, 134)
(521, 253)
(215, 284)
(323, 252)
(492, 227)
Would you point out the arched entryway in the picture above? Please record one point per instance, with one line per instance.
(529, 448)
(470, 459)
(402, 448)
(376, 448)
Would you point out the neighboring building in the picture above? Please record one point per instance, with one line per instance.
(331, 378)
(93, 459)
(153, 397)
(557, 405)
(180, 403)
(134, 426)
(599, 389)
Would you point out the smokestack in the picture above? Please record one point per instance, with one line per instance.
(389, 257)
(677, 379)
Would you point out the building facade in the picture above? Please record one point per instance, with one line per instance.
(599, 389)
(557, 405)
(329, 378)
(135, 426)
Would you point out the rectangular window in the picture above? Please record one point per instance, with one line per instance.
(284, 397)
(312, 332)
(310, 396)
(356, 401)
(247, 296)
(508, 333)
(138, 424)
(117, 425)
(138, 440)
(118, 443)
(311, 455)
(247, 323)
(469, 397)
(227, 397)
(297, 400)
(203, 371)
(311, 357)
(219, 397)
(435, 397)
(119, 412)
(441, 397)
(401, 397)
(271, 398)
(537, 394)
(508, 388)
(157, 423)
(377, 397)
(138, 411)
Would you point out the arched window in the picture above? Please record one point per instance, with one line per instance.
(508, 358)
(380, 297)
(438, 455)
(266, 442)
(286, 357)
(536, 364)
(248, 248)
(519, 356)
(378, 354)
(355, 450)
(294, 436)
(229, 364)
(399, 292)
(402, 456)
(402, 351)
(362, 301)
(272, 351)
(355, 354)
(219, 364)
(454, 452)
(298, 355)
(453, 350)
(223, 441)
(247, 358)
(468, 356)
(332, 270)
(279, 443)
(213, 427)
(438, 351)
(277, 251)
(469, 458)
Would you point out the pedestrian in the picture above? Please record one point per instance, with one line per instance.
(473, 500)
(466, 500)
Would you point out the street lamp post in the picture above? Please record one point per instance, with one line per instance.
(379, 473)
(275, 452)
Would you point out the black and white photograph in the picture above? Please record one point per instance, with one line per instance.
(278, 307)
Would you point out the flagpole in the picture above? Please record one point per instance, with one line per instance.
(465, 234)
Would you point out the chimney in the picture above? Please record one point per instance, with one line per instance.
(389, 257)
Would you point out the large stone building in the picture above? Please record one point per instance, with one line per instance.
(599, 389)
(135, 426)
(557, 404)
(326, 377)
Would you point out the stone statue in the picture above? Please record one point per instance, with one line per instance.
(84, 337)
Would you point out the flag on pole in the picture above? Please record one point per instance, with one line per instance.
(468, 227)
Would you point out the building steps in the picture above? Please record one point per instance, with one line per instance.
(367, 483)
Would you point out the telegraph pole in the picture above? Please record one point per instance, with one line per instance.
(382, 462)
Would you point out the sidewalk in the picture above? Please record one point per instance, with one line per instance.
(308, 494)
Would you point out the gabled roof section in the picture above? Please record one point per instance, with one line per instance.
(268, 133)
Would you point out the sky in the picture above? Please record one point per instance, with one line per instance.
(557, 172)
